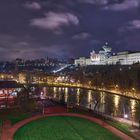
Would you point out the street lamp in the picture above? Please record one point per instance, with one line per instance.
(125, 116)
(133, 91)
(116, 87)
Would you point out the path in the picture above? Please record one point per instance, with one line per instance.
(5, 129)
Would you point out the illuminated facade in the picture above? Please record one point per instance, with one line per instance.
(96, 58)
(82, 61)
(104, 57)
(124, 58)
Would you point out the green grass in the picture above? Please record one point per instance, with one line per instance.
(125, 128)
(15, 119)
(14, 115)
(63, 128)
(121, 126)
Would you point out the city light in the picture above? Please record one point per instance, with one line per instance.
(125, 116)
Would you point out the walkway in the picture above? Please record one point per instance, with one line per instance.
(54, 110)
(5, 128)
(12, 130)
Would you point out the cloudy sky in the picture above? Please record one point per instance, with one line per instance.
(67, 28)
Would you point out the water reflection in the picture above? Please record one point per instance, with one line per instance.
(89, 98)
(110, 104)
(54, 91)
(116, 104)
(66, 95)
(133, 107)
(78, 96)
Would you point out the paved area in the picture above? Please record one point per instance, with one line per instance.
(8, 131)
(130, 122)
(5, 129)
(54, 109)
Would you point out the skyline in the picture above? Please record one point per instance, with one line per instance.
(66, 29)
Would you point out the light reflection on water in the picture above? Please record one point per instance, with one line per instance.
(59, 92)
(108, 103)
(66, 95)
(116, 104)
(78, 96)
(89, 97)
(54, 91)
(133, 107)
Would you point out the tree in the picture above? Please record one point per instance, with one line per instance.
(109, 104)
(97, 100)
(23, 98)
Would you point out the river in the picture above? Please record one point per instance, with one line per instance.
(110, 104)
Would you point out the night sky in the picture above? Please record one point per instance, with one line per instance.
(67, 28)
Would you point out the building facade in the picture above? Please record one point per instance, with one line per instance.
(104, 57)
(124, 58)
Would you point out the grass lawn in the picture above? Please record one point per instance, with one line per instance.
(14, 115)
(63, 128)
(125, 128)
(121, 126)
(15, 119)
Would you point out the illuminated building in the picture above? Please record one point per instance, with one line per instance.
(8, 92)
(22, 78)
(124, 58)
(104, 57)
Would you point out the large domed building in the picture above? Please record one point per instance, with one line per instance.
(101, 57)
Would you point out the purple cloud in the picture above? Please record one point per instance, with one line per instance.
(131, 25)
(97, 2)
(125, 5)
(135, 24)
(83, 36)
(55, 21)
(33, 6)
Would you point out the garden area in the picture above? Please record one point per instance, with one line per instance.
(63, 128)
(14, 115)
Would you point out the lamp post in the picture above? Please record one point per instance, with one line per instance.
(116, 87)
(133, 92)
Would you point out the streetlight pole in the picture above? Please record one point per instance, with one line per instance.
(133, 91)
